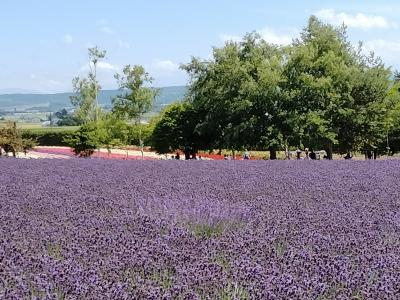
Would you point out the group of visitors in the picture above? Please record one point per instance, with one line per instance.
(309, 154)
(177, 156)
(246, 156)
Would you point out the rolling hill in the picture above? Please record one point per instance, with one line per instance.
(55, 102)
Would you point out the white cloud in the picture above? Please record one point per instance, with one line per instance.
(282, 37)
(107, 30)
(124, 44)
(277, 38)
(165, 65)
(32, 76)
(101, 66)
(107, 66)
(380, 44)
(358, 20)
(67, 39)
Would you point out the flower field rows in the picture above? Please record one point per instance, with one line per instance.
(100, 229)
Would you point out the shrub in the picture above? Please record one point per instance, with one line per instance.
(12, 141)
(49, 136)
(85, 140)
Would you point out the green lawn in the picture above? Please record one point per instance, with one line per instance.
(39, 127)
(48, 129)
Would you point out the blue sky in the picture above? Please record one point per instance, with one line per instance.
(44, 43)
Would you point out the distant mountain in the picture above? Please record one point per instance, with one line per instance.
(18, 91)
(55, 102)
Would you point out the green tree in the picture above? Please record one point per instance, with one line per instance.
(137, 98)
(113, 132)
(396, 76)
(109, 132)
(86, 90)
(86, 139)
(66, 119)
(391, 142)
(335, 95)
(176, 130)
(237, 95)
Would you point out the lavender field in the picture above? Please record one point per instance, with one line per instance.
(95, 229)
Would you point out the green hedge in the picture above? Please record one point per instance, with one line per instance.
(48, 136)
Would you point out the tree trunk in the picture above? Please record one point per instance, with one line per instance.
(140, 139)
(142, 149)
(272, 154)
(187, 155)
(194, 154)
(329, 153)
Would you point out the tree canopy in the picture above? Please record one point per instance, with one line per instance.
(319, 92)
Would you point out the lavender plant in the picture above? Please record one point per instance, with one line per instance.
(94, 229)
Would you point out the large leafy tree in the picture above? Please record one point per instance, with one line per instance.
(320, 92)
(335, 94)
(236, 95)
(391, 142)
(137, 98)
(176, 130)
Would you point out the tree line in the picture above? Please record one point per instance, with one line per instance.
(320, 92)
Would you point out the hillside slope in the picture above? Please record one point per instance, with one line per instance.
(54, 102)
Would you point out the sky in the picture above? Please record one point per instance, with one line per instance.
(44, 42)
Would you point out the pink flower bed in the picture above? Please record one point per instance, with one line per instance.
(66, 151)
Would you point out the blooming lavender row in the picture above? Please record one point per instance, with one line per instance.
(94, 229)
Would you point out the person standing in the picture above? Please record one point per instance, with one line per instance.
(246, 154)
(288, 154)
(298, 153)
(313, 155)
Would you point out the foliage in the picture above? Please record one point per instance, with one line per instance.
(66, 119)
(319, 92)
(140, 134)
(109, 132)
(137, 98)
(12, 141)
(113, 132)
(86, 90)
(175, 129)
(85, 140)
(236, 95)
(48, 136)
(391, 143)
